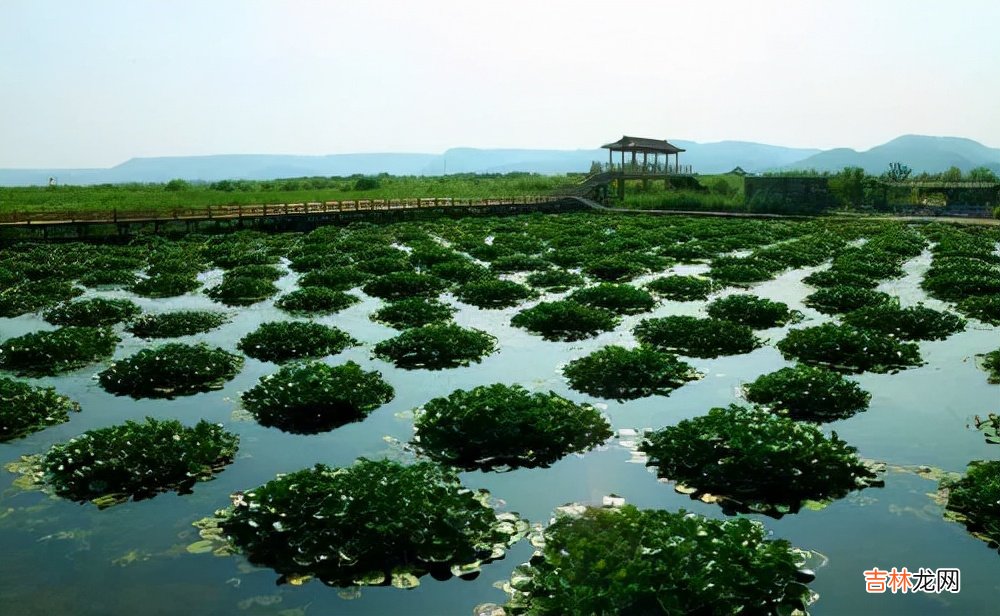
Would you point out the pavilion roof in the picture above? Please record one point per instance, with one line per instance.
(642, 144)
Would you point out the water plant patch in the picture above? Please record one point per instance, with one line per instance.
(24, 298)
(974, 499)
(312, 397)
(808, 393)
(752, 311)
(696, 337)
(990, 362)
(682, 288)
(494, 293)
(93, 312)
(555, 280)
(280, 341)
(436, 346)
(664, 563)
(843, 298)
(316, 300)
(617, 298)
(756, 461)
(25, 408)
(413, 312)
(849, 349)
(398, 285)
(376, 522)
(166, 285)
(137, 460)
(911, 323)
(617, 373)
(175, 324)
(169, 370)
(52, 352)
(565, 320)
(986, 308)
(502, 427)
(242, 290)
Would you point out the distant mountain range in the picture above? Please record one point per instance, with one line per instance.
(921, 153)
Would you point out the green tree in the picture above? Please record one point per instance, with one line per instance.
(953, 174)
(849, 186)
(177, 185)
(982, 174)
(898, 172)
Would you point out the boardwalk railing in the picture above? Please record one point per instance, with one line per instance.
(227, 212)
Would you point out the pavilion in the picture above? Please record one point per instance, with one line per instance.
(644, 170)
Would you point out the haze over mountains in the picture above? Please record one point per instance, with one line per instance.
(921, 153)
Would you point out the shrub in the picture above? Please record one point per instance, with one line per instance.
(413, 312)
(618, 298)
(313, 300)
(280, 341)
(25, 409)
(501, 427)
(911, 323)
(755, 460)
(375, 522)
(53, 352)
(842, 298)
(808, 393)
(172, 369)
(403, 284)
(613, 269)
(565, 320)
(632, 561)
(986, 308)
(94, 312)
(137, 460)
(166, 285)
(312, 397)
(752, 311)
(436, 346)
(555, 280)
(493, 293)
(34, 296)
(848, 349)
(682, 288)
(242, 290)
(174, 324)
(975, 497)
(696, 337)
(626, 374)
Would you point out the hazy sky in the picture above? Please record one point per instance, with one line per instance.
(93, 83)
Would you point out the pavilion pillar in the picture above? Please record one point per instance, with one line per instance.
(645, 170)
(677, 165)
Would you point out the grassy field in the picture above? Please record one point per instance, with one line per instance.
(124, 197)
(722, 192)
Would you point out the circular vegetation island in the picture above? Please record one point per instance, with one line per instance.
(844, 298)
(316, 300)
(565, 320)
(413, 312)
(313, 397)
(95, 312)
(663, 563)
(808, 393)
(618, 373)
(175, 324)
(25, 409)
(53, 352)
(493, 293)
(974, 499)
(372, 523)
(281, 341)
(436, 346)
(752, 311)
(169, 370)
(752, 460)
(137, 460)
(912, 323)
(617, 298)
(242, 290)
(696, 337)
(502, 427)
(849, 349)
(682, 288)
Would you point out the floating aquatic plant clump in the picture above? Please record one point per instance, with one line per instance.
(372, 523)
(108, 278)
(137, 460)
(834, 278)
(166, 285)
(645, 561)
(316, 300)
(975, 498)
(458, 271)
(614, 269)
(843, 298)
(565, 320)
(991, 363)
(436, 346)
(910, 323)
(413, 312)
(398, 285)
(94, 312)
(849, 349)
(808, 393)
(256, 270)
(335, 277)
(169, 370)
(494, 293)
(696, 337)
(174, 324)
(52, 352)
(242, 290)
(555, 280)
(313, 397)
(279, 341)
(682, 288)
(986, 308)
(25, 409)
(756, 461)
(518, 263)
(502, 427)
(743, 270)
(752, 311)
(618, 373)
(617, 298)
(23, 298)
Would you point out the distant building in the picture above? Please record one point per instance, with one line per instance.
(738, 171)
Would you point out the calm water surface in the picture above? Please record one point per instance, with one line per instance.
(64, 558)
